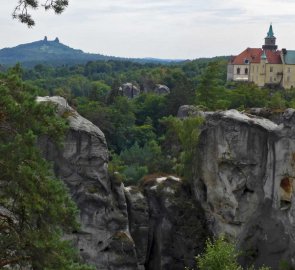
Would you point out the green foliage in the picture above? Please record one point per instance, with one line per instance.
(135, 162)
(247, 95)
(218, 255)
(277, 101)
(133, 173)
(99, 90)
(184, 133)
(150, 106)
(31, 229)
(221, 254)
(210, 90)
(132, 125)
(284, 265)
(21, 11)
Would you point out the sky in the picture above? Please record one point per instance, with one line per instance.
(170, 29)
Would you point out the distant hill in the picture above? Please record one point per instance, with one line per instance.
(56, 53)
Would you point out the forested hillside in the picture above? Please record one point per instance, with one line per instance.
(140, 131)
(55, 53)
(145, 138)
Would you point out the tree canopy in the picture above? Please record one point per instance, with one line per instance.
(35, 207)
(22, 10)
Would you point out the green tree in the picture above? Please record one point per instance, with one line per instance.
(182, 92)
(221, 254)
(183, 136)
(247, 95)
(210, 90)
(21, 11)
(277, 101)
(137, 161)
(99, 91)
(35, 208)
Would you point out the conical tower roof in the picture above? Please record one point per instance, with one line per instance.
(270, 33)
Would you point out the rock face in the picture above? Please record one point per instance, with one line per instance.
(244, 179)
(190, 111)
(166, 223)
(129, 90)
(104, 239)
(157, 226)
(161, 89)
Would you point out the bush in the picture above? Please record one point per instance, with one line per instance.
(221, 255)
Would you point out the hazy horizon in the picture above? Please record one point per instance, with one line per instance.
(175, 29)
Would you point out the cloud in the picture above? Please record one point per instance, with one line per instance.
(159, 28)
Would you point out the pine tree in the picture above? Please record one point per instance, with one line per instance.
(21, 11)
(35, 209)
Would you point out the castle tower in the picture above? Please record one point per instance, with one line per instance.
(270, 40)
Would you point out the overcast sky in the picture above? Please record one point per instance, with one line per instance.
(184, 29)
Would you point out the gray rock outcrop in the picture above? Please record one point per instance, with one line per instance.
(104, 239)
(244, 180)
(166, 224)
(161, 89)
(190, 111)
(156, 226)
(129, 90)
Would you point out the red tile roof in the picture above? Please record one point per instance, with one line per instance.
(253, 55)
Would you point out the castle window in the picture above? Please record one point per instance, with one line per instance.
(238, 70)
(271, 69)
(289, 69)
(246, 71)
(246, 61)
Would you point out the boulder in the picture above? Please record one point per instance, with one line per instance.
(161, 89)
(190, 110)
(129, 90)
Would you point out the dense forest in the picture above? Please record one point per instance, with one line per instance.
(144, 137)
(140, 131)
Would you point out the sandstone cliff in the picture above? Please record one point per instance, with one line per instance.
(158, 226)
(244, 179)
(243, 185)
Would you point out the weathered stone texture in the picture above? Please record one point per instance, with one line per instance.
(104, 239)
(157, 226)
(244, 179)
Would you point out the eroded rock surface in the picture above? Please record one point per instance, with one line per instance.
(244, 179)
(104, 239)
(156, 226)
(129, 90)
(166, 223)
(161, 89)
